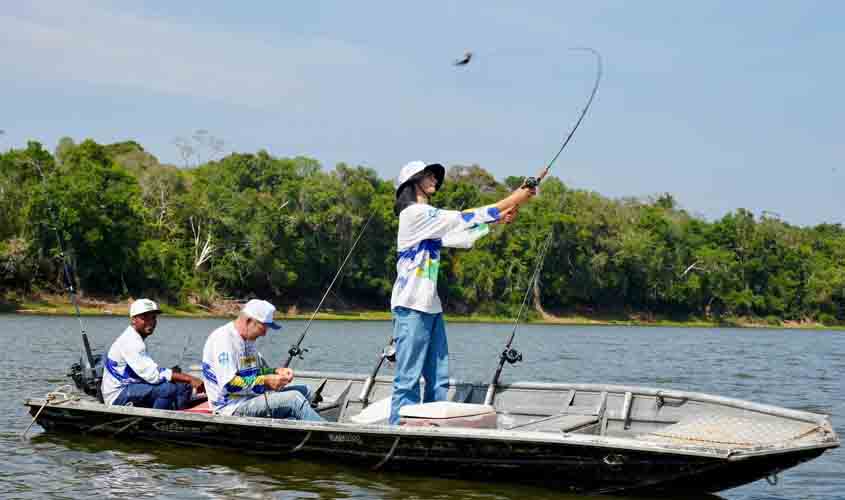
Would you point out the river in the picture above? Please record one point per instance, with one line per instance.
(790, 368)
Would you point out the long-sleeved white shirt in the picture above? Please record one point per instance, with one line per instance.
(127, 363)
(423, 230)
(230, 369)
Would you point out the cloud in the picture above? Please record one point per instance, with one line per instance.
(55, 42)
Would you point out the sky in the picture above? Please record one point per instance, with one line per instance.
(725, 105)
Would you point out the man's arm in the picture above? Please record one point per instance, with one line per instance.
(184, 378)
(143, 365)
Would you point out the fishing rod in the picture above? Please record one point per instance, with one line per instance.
(88, 373)
(389, 354)
(509, 354)
(295, 349)
(533, 182)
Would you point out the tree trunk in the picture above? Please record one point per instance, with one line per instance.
(538, 301)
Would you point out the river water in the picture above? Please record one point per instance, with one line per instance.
(790, 368)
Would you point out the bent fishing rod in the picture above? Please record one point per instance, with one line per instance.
(533, 182)
(88, 357)
(296, 350)
(509, 354)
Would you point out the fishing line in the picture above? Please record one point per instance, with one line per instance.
(509, 354)
(599, 71)
(295, 349)
(87, 358)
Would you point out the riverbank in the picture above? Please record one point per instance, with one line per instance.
(59, 305)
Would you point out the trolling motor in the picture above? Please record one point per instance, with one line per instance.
(88, 380)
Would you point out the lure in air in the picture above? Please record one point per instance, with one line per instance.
(464, 60)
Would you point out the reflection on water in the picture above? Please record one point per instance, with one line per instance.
(121, 469)
(36, 351)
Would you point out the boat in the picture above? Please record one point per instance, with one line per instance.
(589, 438)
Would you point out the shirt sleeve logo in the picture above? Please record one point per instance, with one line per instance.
(223, 358)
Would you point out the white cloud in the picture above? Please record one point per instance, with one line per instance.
(60, 41)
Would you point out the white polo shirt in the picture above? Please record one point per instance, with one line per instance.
(127, 363)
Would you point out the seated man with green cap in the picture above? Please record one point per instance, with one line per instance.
(132, 377)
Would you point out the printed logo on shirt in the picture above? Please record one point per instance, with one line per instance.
(432, 212)
(248, 361)
(223, 358)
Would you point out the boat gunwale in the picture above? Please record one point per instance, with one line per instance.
(740, 404)
(567, 439)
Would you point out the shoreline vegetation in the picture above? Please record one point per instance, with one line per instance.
(59, 305)
(241, 225)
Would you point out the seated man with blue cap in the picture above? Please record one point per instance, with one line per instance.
(132, 377)
(235, 380)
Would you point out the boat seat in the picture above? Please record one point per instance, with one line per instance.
(333, 409)
(203, 407)
(448, 414)
(558, 423)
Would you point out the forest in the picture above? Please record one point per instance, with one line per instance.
(251, 224)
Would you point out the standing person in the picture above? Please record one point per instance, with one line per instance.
(418, 327)
(236, 382)
(132, 377)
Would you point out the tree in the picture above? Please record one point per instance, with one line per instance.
(95, 205)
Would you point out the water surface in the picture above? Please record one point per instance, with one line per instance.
(794, 369)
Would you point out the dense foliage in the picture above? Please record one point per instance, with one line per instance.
(253, 224)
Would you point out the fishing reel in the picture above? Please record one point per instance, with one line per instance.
(511, 355)
(531, 182)
(297, 352)
(389, 353)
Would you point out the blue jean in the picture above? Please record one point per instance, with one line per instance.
(163, 396)
(421, 350)
(289, 402)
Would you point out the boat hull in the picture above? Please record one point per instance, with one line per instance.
(486, 455)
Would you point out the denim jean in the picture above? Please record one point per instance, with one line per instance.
(163, 396)
(421, 350)
(289, 402)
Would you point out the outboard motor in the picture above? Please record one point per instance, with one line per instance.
(88, 380)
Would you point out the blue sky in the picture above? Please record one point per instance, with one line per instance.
(723, 104)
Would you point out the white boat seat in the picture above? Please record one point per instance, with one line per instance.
(449, 414)
(444, 409)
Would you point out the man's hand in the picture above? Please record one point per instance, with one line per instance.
(274, 382)
(283, 377)
(184, 378)
(286, 374)
(509, 215)
(198, 385)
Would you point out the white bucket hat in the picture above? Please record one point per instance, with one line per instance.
(261, 311)
(142, 306)
(413, 168)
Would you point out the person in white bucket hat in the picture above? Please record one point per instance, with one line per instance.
(419, 331)
(132, 377)
(236, 381)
